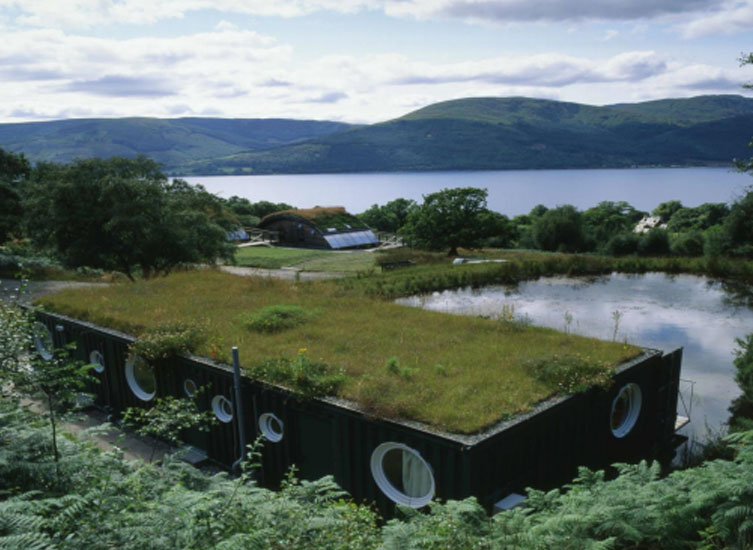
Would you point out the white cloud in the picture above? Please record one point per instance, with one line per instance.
(240, 73)
(88, 13)
(735, 17)
(545, 10)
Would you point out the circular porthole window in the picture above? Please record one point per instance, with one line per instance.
(43, 340)
(140, 378)
(98, 360)
(223, 408)
(402, 474)
(189, 387)
(271, 427)
(626, 408)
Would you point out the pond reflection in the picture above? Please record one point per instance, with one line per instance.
(652, 310)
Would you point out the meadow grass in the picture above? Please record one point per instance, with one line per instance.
(305, 259)
(274, 258)
(434, 272)
(456, 373)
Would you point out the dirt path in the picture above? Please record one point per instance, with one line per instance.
(288, 274)
(9, 288)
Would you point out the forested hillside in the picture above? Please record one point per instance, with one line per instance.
(519, 133)
(172, 142)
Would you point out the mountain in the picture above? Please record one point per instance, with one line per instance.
(173, 142)
(519, 133)
(464, 134)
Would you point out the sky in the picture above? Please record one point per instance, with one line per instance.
(358, 61)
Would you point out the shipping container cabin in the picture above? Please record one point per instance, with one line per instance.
(320, 227)
(389, 461)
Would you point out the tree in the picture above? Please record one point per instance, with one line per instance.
(389, 217)
(666, 210)
(250, 213)
(449, 218)
(122, 214)
(14, 170)
(559, 229)
(45, 372)
(738, 227)
(608, 219)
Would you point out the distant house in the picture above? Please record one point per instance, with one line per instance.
(648, 223)
(319, 227)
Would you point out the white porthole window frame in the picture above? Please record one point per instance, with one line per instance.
(386, 486)
(632, 393)
(222, 408)
(43, 341)
(190, 388)
(267, 428)
(98, 360)
(133, 384)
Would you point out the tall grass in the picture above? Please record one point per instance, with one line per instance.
(431, 275)
(485, 372)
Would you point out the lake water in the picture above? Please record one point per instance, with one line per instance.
(655, 310)
(511, 192)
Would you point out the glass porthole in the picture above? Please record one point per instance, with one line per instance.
(402, 474)
(43, 342)
(223, 408)
(140, 378)
(97, 359)
(626, 408)
(189, 387)
(271, 426)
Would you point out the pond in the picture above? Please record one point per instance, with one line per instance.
(653, 310)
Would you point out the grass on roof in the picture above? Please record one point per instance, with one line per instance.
(456, 373)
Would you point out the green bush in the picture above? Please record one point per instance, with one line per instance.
(690, 243)
(623, 244)
(309, 378)
(654, 243)
(167, 341)
(570, 373)
(276, 318)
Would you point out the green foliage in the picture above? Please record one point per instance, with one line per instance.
(559, 229)
(300, 374)
(168, 418)
(738, 227)
(277, 318)
(393, 365)
(623, 244)
(14, 170)
(45, 373)
(121, 214)
(744, 366)
(690, 243)
(248, 213)
(167, 341)
(655, 242)
(666, 210)
(571, 373)
(450, 218)
(390, 217)
(607, 220)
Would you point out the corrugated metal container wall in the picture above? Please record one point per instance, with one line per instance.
(546, 449)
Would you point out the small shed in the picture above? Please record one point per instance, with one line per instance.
(330, 227)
